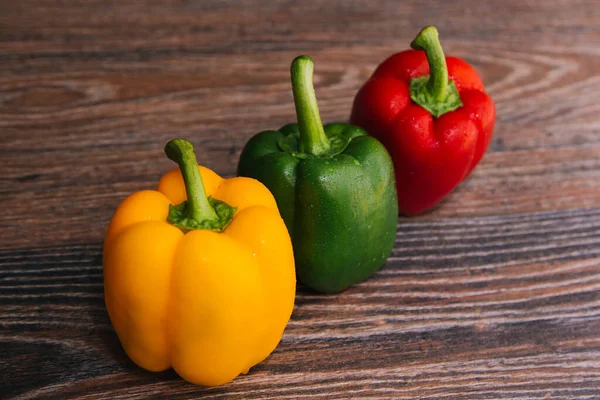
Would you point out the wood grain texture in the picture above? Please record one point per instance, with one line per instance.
(495, 294)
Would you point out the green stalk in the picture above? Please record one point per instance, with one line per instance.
(198, 208)
(435, 92)
(313, 139)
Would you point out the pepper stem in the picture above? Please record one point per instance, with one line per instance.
(313, 139)
(429, 41)
(198, 208)
(435, 92)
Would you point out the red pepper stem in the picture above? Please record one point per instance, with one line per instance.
(429, 41)
(313, 139)
(435, 92)
(198, 208)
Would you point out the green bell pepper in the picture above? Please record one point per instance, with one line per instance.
(334, 186)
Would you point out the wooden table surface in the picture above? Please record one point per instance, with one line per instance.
(493, 295)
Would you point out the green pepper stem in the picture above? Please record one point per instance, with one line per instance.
(198, 208)
(428, 40)
(313, 139)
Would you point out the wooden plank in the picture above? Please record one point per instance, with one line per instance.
(497, 306)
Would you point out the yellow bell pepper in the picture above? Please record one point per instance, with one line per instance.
(205, 286)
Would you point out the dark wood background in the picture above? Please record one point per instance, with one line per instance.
(493, 295)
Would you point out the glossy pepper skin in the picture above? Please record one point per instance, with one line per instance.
(334, 186)
(206, 287)
(436, 122)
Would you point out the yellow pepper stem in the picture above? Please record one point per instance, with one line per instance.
(182, 152)
(199, 211)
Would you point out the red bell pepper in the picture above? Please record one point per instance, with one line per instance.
(432, 114)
